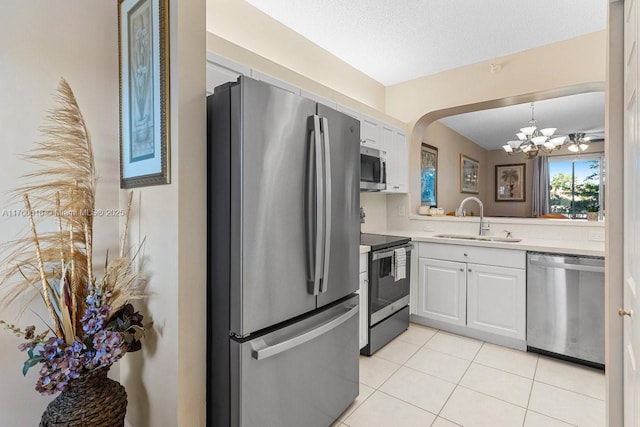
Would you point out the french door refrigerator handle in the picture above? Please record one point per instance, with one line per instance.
(326, 173)
(320, 216)
(290, 343)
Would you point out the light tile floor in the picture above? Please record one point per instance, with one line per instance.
(427, 377)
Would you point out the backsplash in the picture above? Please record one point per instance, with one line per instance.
(375, 209)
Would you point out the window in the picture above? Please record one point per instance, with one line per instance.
(576, 185)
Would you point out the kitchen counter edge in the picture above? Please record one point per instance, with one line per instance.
(532, 245)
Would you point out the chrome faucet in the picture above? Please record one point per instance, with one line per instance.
(483, 227)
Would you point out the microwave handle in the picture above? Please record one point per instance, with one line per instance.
(383, 171)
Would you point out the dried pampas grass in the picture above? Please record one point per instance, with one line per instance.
(58, 264)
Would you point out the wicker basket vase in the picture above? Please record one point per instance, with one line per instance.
(90, 401)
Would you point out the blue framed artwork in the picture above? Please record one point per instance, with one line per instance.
(428, 175)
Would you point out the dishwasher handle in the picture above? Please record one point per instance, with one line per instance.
(537, 261)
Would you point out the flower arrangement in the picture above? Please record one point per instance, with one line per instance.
(92, 322)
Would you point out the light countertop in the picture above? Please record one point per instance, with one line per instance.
(364, 249)
(554, 246)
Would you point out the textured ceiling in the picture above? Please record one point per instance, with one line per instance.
(491, 129)
(398, 40)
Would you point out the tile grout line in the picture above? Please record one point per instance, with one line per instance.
(533, 381)
(503, 370)
(553, 418)
(493, 397)
(408, 403)
(424, 373)
(569, 390)
(458, 383)
(402, 364)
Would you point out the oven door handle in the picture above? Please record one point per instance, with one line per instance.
(389, 253)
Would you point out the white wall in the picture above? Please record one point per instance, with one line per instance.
(244, 25)
(41, 41)
(166, 381)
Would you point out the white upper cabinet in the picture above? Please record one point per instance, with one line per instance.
(370, 132)
(395, 142)
(221, 70)
(386, 141)
(276, 82)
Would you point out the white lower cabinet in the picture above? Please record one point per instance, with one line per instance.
(442, 290)
(488, 299)
(364, 301)
(496, 300)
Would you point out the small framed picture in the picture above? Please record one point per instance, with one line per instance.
(469, 175)
(510, 183)
(143, 45)
(429, 175)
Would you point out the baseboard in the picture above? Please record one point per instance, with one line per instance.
(472, 333)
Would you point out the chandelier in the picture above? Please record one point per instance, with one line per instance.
(532, 141)
(577, 142)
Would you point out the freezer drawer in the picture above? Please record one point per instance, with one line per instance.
(565, 306)
(303, 374)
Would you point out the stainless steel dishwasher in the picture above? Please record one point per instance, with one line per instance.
(565, 307)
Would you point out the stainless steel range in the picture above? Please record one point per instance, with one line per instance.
(389, 284)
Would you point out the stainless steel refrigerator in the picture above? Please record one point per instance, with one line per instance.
(283, 233)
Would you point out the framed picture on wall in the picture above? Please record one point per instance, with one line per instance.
(469, 175)
(143, 45)
(428, 175)
(510, 182)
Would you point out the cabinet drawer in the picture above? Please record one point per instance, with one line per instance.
(363, 262)
(474, 254)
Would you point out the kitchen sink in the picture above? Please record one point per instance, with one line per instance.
(478, 238)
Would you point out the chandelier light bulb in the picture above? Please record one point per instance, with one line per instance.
(548, 131)
(521, 136)
(528, 131)
(573, 148)
(514, 144)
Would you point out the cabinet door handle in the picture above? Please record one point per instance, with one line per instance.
(466, 254)
(462, 269)
(470, 270)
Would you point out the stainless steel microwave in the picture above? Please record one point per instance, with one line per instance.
(373, 169)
